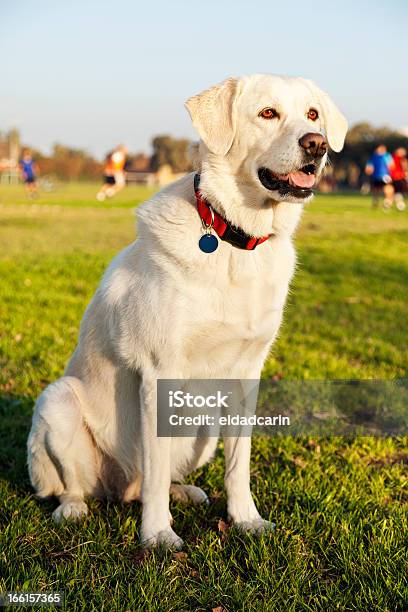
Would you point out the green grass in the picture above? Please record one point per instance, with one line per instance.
(75, 195)
(340, 505)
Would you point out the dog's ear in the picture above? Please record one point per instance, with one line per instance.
(213, 113)
(335, 122)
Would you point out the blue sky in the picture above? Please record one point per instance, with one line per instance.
(92, 74)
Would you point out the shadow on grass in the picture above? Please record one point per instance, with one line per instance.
(15, 422)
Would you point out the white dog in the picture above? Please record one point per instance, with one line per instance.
(166, 309)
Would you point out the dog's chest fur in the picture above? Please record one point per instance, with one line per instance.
(233, 313)
(211, 315)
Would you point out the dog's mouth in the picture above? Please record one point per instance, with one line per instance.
(298, 184)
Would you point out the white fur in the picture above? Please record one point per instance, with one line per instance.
(164, 309)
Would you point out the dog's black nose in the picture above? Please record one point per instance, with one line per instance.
(314, 144)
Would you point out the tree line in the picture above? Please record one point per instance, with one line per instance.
(348, 165)
(346, 169)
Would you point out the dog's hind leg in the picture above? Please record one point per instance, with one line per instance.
(62, 458)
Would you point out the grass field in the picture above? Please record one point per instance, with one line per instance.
(340, 505)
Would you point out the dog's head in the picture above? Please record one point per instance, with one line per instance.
(272, 133)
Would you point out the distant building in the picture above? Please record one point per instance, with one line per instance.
(140, 172)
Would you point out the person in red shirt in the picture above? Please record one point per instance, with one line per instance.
(399, 173)
(113, 174)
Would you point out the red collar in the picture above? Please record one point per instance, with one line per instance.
(225, 230)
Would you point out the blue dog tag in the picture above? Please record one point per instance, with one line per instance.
(208, 243)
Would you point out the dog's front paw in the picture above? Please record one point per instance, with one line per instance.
(166, 538)
(256, 526)
(70, 510)
(189, 494)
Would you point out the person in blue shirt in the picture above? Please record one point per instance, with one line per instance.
(28, 169)
(378, 168)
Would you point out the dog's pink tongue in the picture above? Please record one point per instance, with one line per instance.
(300, 179)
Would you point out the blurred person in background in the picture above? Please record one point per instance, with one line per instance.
(119, 162)
(113, 173)
(378, 168)
(29, 172)
(399, 174)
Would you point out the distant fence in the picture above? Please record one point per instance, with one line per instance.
(141, 178)
(10, 177)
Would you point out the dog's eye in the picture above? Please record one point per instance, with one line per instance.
(312, 114)
(269, 113)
